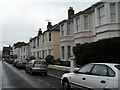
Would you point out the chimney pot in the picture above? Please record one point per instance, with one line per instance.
(49, 26)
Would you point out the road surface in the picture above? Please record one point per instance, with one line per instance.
(13, 78)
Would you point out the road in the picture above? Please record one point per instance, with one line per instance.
(13, 78)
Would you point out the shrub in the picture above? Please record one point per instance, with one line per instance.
(102, 51)
(49, 58)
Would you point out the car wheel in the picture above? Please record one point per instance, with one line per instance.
(66, 85)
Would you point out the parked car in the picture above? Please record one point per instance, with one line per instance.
(37, 66)
(21, 63)
(15, 62)
(10, 61)
(93, 76)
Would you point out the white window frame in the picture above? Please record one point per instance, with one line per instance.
(86, 22)
(101, 17)
(62, 30)
(68, 28)
(49, 52)
(69, 51)
(77, 23)
(113, 13)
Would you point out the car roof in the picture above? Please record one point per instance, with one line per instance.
(109, 64)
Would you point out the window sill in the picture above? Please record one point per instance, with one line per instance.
(109, 23)
(82, 31)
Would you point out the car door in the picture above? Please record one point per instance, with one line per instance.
(79, 78)
(98, 77)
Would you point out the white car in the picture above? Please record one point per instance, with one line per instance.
(93, 76)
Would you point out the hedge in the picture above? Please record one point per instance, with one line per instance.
(102, 51)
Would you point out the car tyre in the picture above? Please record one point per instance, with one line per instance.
(66, 85)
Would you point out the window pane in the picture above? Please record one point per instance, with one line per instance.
(49, 36)
(85, 22)
(86, 69)
(118, 67)
(69, 51)
(111, 72)
(68, 29)
(62, 49)
(62, 30)
(99, 70)
(49, 51)
(112, 12)
(77, 24)
(101, 14)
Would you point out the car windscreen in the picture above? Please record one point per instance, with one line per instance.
(39, 62)
(118, 67)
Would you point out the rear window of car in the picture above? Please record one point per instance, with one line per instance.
(118, 67)
(24, 61)
(39, 62)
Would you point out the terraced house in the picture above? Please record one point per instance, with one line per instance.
(24, 51)
(46, 43)
(99, 21)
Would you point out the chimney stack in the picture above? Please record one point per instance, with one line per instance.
(70, 12)
(49, 26)
(39, 32)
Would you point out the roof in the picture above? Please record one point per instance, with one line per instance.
(19, 44)
(56, 27)
(86, 11)
(7, 48)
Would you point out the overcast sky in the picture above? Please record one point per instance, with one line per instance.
(21, 19)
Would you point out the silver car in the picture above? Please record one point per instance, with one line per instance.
(93, 76)
(37, 66)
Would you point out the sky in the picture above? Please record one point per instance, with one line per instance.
(21, 19)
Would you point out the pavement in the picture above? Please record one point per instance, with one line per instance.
(56, 73)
